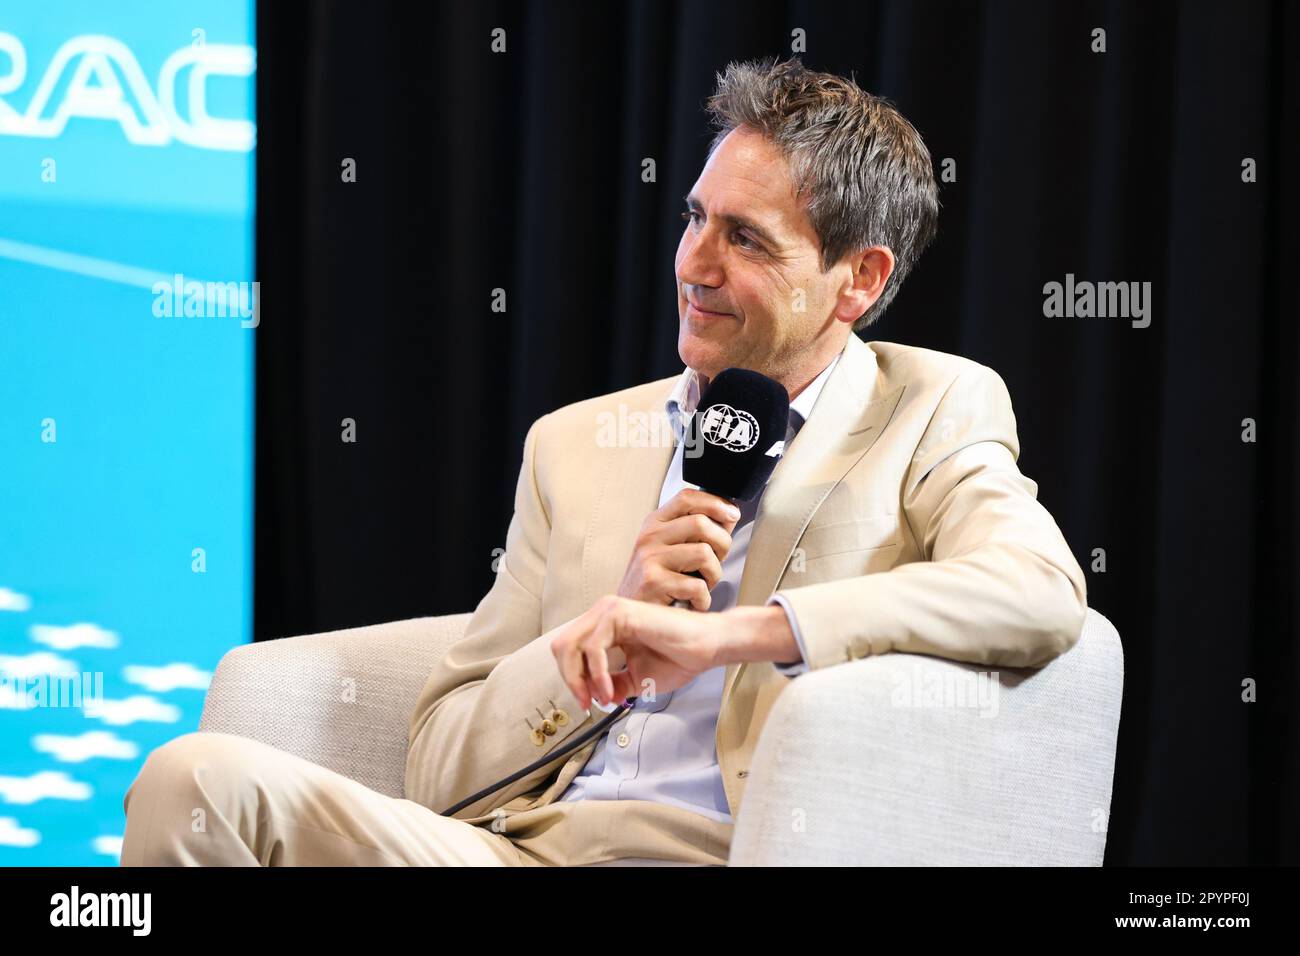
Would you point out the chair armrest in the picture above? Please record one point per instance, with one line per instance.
(881, 762)
(341, 699)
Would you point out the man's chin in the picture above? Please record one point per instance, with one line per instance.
(707, 357)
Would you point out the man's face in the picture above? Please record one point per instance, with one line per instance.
(749, 256)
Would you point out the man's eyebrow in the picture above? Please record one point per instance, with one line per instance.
(739, 222)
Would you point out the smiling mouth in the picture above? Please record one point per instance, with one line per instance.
(696, 308)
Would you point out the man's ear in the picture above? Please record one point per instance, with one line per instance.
(871, 269)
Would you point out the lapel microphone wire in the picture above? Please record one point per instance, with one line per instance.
(568, 747)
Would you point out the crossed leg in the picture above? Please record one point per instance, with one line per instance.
(212, 799)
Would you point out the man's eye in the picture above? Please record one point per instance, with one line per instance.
(742, 240)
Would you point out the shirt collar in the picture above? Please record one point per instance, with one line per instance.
(685, 398)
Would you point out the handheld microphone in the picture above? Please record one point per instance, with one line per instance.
(732, 444)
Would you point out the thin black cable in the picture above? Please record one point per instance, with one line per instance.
(569, 746)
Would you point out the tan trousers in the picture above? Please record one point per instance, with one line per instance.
(208, 799)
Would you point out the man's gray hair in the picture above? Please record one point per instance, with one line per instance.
(863, 168)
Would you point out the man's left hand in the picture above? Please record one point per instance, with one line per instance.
(620, 647)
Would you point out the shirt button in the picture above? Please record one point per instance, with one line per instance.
(624, 740)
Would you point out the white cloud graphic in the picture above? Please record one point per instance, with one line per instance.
(73, 636)
(132, 709)
(13, 601)
(171, 677)
(108, 845)
(38, 664)
(11, 834)
(48, 784)
(93, 743)
(12, 698)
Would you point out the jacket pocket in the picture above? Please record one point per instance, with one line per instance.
(839, 537)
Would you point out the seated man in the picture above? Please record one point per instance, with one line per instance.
(897, 520)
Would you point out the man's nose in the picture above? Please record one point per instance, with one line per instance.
(700, 264)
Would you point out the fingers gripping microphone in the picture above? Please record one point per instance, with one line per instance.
(736, 437)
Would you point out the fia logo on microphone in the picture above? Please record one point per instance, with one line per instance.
(731, 428)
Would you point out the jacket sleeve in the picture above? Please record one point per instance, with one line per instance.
(998, 583)
(472, 721)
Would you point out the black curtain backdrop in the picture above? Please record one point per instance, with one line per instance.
(521, 171)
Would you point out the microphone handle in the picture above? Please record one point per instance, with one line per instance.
(686, 604)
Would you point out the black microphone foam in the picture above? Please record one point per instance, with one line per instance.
(741, 415)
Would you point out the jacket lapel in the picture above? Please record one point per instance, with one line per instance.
(843, 425)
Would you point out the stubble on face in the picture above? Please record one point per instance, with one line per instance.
(760, 282)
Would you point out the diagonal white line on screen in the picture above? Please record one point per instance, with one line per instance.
(105, 269)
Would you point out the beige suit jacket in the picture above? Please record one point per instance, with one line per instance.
(897, 520)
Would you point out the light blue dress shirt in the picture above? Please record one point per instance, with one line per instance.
(665, 750)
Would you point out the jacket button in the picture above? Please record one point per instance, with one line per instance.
(560, 718)
(537, 736)
(548, 727)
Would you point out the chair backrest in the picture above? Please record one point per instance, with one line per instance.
(293, 693)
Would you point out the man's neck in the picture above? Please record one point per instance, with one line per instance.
(794, 382)
(808, 374)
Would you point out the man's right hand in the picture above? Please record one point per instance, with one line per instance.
(691, 532)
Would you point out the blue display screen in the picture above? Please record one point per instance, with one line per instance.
(128, 315)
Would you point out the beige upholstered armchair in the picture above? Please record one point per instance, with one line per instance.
(896, 759)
